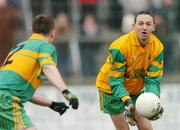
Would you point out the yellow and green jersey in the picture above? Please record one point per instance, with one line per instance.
(21, 73)
(129, 67)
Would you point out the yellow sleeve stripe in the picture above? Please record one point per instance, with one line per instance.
(115, 74)
(117, 65)
(157, 64)
(44, 55)
(47, 61)
(154, 74)
(124, 98)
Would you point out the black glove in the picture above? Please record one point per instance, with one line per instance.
(157, 115)
(59, 107)
(129, 112)
(73, 100)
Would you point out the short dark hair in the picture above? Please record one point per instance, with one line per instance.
(43, 24)
(143, 12)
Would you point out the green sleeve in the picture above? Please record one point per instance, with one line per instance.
(117, 70)
(154, 75)
(47, 48)
(47, 55)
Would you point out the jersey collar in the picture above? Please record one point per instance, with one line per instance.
(36, 36)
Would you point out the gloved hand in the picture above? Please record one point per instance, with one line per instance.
(59, 107)
(73, 100)
(129, 112)
(157, 115)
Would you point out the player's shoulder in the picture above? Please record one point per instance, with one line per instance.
(37, 43)
(156, 41)
(48, 44)
(120, 42)
(41, 42)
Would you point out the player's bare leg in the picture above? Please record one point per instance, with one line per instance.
(143, 123)
(120, 122)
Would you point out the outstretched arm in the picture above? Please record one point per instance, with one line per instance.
(52, 73)
(59, 107)
(47, 61)
(39, 100)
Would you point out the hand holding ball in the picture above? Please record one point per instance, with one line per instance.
(148, 105)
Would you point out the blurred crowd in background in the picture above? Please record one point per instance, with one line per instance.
(87, 27)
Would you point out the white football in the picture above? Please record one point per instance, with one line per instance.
(148, 104)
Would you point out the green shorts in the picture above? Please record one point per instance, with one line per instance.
(12, 113)
(112, 105)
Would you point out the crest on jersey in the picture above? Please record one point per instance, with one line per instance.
(133, 58)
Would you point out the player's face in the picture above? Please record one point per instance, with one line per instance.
(144, 26)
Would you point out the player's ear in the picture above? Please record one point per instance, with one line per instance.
(53, 34)
(133, 26)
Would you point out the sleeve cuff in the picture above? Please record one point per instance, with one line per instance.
(124, 98)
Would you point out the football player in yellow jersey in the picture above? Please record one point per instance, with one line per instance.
(134, 65)
(27, 65)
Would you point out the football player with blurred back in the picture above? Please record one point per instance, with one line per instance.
(27, 65)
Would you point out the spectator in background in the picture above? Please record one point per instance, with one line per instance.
(90, 46)
(90, 26)
(161, 25)
(88, 7)
(64, 31)
(63, 25)
(8, 27)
